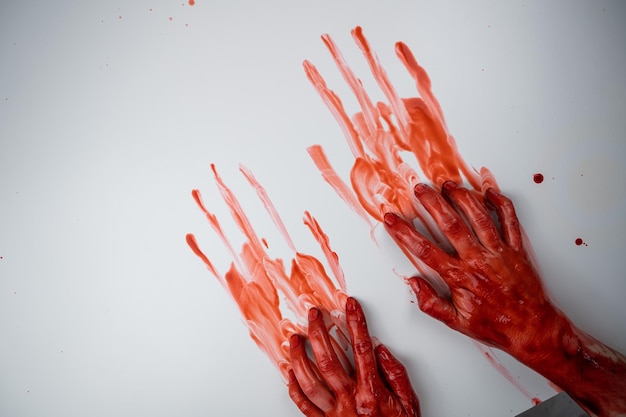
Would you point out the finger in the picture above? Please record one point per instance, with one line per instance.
(476, 214)
(508, 219)
(327, 362)
(433, 304)
(368, 380)
(398, 380)
(300, 399)
(410, 239)
(310, 385)
(448, 219)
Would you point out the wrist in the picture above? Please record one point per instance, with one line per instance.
(590, 372)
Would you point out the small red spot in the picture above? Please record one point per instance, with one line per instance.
(580, 242)
(538, 178)
(171, 18)
(119, 17)
(536, 401)
(192, 2)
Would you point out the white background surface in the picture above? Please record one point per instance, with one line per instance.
(110, 113)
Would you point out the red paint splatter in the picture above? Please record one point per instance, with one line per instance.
(192, 2)
(579, 242)
(538, 178)
(170, 18)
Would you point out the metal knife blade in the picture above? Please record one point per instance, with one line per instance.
(561, 405)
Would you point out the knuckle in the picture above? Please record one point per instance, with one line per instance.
(483, 222)
(396, 373)
(421, 249)
(362, 347)
(328, 365)
(451, 225)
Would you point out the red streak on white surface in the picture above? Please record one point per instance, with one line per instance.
(257, 282)
(490, 355)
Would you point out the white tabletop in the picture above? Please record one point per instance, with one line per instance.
(111, 113)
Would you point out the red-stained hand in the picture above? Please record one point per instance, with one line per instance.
(496, 296)
(380, 387)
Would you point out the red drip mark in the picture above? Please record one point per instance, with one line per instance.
(580, 242)
(538, 178)
(495, 362)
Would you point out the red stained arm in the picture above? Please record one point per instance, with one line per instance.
(379, 388)
(496, 296)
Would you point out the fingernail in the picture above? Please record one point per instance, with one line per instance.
(314, 313)
(294, 341)
(420, 188)
(449, 186)
(390, 219)
(351, 304)
(491, 192)
(382, 352)
(417, 286)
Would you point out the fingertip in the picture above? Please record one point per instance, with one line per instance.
(391, 219)
(294, 341)
(351, 304)
(382, 352)
(449, 186)
(292, 376)
(415, 284)
(420, 188)
(314, 314)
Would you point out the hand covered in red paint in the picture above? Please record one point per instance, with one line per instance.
(380, 387)
(496, 295)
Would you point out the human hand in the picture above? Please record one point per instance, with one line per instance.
(496, 296)
(379, 388)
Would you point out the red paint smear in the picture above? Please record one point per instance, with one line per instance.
(257, 282)
(489, 354)
(538, 178)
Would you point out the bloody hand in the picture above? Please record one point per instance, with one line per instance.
(496, 295)
(380, 387)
